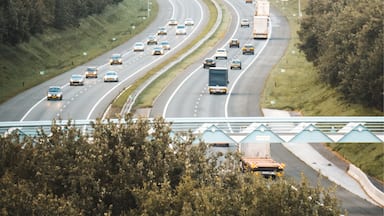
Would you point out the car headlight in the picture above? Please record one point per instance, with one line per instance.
(49, 95)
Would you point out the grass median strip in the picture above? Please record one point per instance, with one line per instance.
(147, 97)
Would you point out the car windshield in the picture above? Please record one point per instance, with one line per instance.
(180, 27)
(116, 56)
(76, 76)
(139, 44)
(91, 69)
(111, 73)
(54, 89)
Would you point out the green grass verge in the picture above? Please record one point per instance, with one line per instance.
(147, 97)
(293, 85)
(54, 52)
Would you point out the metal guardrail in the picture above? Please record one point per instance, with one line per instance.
(287, 129)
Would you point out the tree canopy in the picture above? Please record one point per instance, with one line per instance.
(19, 19)
(139, 167)
(344, 40)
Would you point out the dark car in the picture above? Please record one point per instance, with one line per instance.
(116, 59)
(162, 31)
(55, 93)
(151, 40)
(234, 43)
(91, 72)
(209, 62)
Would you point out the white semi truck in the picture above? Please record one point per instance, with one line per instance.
(260, 27)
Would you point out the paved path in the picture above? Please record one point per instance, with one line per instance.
(334, 170)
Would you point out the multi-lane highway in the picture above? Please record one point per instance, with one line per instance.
(188, 95)
(91, 100)
(244, 95)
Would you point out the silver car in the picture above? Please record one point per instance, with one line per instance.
(55, 93)
(139, 46)
(76, 79)
(236, 64)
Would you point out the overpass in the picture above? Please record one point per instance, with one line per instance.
(319, 129)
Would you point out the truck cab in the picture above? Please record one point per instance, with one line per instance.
(218, 80)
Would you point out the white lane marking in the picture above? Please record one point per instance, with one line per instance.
(173, 8)
(193, 72)
(36, 104)
(104, 65)
(158, 59)
(245, 69)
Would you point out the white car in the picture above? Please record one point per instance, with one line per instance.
(221, 54)
(76, 79)
(181, 30)
(139, 46)
(172, 22)
(158, 50)
(111, 76)
(165, 45)
(189, 22)
(244, 23)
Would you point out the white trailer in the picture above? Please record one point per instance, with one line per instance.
(262, 8)
(260, 27)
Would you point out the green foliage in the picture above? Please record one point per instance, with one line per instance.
(367, 156)
(344, 41)
(22, 18)
(135, 167)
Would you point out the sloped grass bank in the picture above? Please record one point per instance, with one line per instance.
(293, 85)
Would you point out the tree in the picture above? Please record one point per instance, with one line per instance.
(343, 39)
(139, 167)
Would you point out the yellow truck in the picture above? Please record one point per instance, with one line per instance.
(256, 158)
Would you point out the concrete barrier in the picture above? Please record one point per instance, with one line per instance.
(366, 184)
